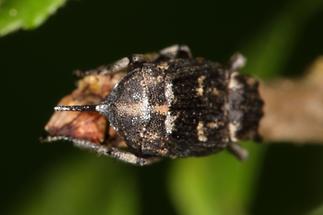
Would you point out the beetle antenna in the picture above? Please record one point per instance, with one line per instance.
(80, 108)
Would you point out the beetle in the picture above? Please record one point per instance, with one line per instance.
(170, 104)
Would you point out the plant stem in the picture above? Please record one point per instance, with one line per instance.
(294, 108)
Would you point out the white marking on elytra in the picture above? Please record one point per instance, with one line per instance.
(200, 87)
(169, 122)
(169, 94)
(170, 119)
(200, 132)
(233, 82)
(145, 105)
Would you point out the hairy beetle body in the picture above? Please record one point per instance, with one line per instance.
(174, 110)
(173, 105)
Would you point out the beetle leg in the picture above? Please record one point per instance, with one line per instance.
(116, 153)
(171, 52)
(113, 152)
(176, 51)
(236, 62)
(141, 58)
(116, 67)
(238, 151)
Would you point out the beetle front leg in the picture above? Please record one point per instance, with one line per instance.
(113, 152)
(238, 151)
(118, 66)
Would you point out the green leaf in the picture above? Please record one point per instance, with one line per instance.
(270, 49)
(88, 185)
(214, 185)
(318, 211)
(25, 14)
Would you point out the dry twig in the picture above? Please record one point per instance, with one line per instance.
(294, 108)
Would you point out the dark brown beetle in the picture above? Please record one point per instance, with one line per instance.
(170, 104)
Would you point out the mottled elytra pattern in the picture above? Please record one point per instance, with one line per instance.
(199, 89)
(138, 107)
(172, 108)
(170, 104)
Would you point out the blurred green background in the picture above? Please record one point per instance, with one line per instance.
(279, 38)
